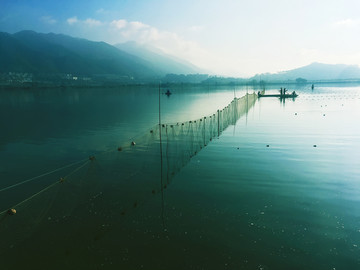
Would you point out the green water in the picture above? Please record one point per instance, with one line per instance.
(259, 196)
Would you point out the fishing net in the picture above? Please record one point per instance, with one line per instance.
(83, 201)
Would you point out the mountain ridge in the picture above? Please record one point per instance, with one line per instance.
(29, 51)
(38, 53)
(314, 71)
(163, 61)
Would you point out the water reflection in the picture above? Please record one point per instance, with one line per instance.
(111, 186)
(237, 202)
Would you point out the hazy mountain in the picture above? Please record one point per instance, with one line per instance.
(314, 71)
(28, 51)
(36, 53)
(16, 56)
(161, 61)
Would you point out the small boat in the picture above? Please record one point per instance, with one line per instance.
(281, 95)
(292, 95)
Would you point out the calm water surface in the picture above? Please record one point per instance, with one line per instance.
(278, 190)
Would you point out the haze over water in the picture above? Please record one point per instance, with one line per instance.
(277, 190)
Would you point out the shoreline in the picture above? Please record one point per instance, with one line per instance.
(36, 85)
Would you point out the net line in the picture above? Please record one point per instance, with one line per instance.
(182, 141)
(102, 193)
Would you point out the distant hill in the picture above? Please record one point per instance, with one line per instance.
(44, 55)
(37, 53)
(314, 71)
(165, 63)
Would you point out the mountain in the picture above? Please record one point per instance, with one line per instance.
(314, 71)
(165, 63)
(37, 53)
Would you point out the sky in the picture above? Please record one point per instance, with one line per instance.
(224, 37)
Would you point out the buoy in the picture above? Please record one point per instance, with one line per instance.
(314, 145)
(133, 143)
(296, 113)
(119, 149)
(163, 125)
(11, 211)
(151, 131)
(92, 158)
(267, 145)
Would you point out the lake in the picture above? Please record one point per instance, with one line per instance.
(260, 184)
